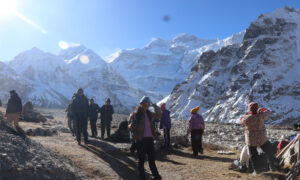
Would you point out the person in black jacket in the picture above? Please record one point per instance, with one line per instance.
(80, 110)
(106, 111)
(93, 116)
(14, 109)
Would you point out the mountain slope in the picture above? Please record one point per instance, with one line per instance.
(52, 79)
(263, 68)
(161, 64)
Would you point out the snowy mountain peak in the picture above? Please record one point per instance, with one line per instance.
(157, 43)
(71, 51)
(263, 68)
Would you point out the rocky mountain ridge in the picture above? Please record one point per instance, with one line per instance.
(263, 68)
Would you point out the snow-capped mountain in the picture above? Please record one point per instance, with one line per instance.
(263, 68)
(9, 80)
(54, 78)
(161, 64)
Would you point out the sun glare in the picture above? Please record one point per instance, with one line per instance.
(84, 59)
(63, 45)
(7, 7)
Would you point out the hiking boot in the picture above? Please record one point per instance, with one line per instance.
(158, 177)
(132, 150)
(79, 143)
(256, 172)
(201, 151)
(86, 142)
(272, 167)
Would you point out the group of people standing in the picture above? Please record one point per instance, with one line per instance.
(80, 110)
(142, 127)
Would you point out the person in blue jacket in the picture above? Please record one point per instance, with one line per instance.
(165, 124)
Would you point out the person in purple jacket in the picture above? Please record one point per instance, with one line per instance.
(196, 128)
(165, 124)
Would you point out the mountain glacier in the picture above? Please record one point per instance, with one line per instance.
(161, 64)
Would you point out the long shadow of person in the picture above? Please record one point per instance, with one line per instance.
(188, 155)
(125, 167)
(162, 156)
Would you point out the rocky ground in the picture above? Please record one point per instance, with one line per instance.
(102, 159)
(23, 158)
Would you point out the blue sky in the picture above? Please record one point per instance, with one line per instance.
(107, 25)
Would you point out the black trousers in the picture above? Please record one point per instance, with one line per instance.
(93, 126)
(105, 124)
(167, 137)
(146, 147)
(196, 139)
(72, 125)
(81, 127)
(267, 148)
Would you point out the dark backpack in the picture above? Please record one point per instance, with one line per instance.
(123, 126)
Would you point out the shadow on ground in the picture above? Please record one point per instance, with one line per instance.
(125, 167)
(189, 155)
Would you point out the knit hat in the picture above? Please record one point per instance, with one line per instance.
(80, 89)
(145, 99)
(195, 110)
(253, 107)
(107, 100)
(163, 106)
(12, 91)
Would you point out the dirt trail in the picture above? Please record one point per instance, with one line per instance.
(105, 160)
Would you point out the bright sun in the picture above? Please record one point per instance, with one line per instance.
(7, 7)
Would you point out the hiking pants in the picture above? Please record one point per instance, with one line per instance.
(146, 147)
(81, 127)
(196, 139)
(13, 119)
(267, 148)
(105, 124)
(93, 126)
(167, 137)
(72, 125)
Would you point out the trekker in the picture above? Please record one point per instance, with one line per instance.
(106, 111)
(14, 109)
(71, 120)
(156, 116)
(256, 135)
(93, 116)
(196, 128)
(165, 124)
(132, 139)
(143, 131)
(80, 110)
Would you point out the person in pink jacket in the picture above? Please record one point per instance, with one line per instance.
(196, 128)
(256, 135)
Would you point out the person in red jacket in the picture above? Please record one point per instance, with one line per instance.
(256, 135)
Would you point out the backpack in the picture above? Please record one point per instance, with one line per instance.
(131, 122)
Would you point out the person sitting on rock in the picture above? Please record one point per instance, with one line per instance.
(27, 108)
(165, 124)
(196, 128)
(106, 111)
(93, 116)
(256, 136)
(13, 109)
(80, 109)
